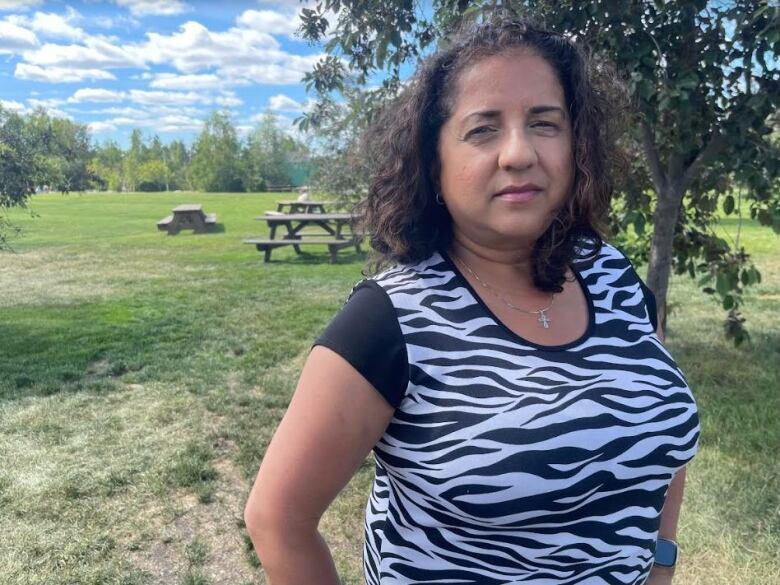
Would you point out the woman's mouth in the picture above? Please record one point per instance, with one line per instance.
(519, 196)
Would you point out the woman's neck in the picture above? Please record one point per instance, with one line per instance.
(509, 270)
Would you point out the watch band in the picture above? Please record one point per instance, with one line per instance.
(666, 552)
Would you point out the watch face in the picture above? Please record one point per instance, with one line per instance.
(665, 553)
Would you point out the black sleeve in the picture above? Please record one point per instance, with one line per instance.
(367, 334)
(650, 304)
(652, 309)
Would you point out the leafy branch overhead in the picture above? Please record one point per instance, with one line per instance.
(705, 88)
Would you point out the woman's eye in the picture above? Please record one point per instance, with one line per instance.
(479, 131)
(545, 125)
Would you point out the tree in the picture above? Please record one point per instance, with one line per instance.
(268, 154)
(153, 175)
(63, 149)
(20, 169)
(701, 75)
(216, 159)
(177, 159)
(339, 165)
(107, 164)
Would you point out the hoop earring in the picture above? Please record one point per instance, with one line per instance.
(439, 200)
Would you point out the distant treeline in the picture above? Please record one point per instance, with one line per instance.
(38, 152)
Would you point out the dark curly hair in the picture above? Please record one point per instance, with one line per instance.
(406, 224)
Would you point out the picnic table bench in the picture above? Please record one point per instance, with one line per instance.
(333, 224)
(187, 216)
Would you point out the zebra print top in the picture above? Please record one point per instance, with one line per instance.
(511, 462)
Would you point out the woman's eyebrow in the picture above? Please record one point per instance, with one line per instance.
(534, 110)
(481, 114)
(545, 109)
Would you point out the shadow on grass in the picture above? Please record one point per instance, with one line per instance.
(307, 258)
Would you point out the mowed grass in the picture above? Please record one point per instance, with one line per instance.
(142, 376)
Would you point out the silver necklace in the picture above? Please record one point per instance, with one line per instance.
(543, 318)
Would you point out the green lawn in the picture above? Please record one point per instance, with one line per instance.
(142, 376)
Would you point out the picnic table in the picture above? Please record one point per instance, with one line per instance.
(187, 216)
(303, 206)
(332, 224)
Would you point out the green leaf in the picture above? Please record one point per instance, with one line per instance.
(722, 284)
(728, 302)
(728, 204)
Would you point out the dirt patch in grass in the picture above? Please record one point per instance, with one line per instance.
(213, 529)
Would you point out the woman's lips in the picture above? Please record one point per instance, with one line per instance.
(519, 196)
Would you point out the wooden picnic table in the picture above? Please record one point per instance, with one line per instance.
(187, 216)
(303, 206)
(332, 224)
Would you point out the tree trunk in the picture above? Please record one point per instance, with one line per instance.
(661, 249)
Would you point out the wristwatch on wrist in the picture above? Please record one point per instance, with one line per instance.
(665, 552)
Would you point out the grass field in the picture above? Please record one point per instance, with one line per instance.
(142, 376)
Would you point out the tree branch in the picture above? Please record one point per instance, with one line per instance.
(651, 151)
(712, 148)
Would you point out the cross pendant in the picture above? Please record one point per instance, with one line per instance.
(544, 320)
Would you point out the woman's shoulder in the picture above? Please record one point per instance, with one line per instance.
(408, 273)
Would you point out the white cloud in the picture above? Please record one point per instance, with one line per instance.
(195, 48)
(270, 22)
(89, 94)
(140, 96)
(173, 81)
(168, 123)
(47, 104)
(243, 54)
(19, 4)
(115, 21)
(181, 98)
(12, 106)
(280, 69)
(283, 103)
(51, 25)
(14, 38)
(96, 52)
(150, 111)
(228, 100)
(59, 74)
(154, 7)
(100, 127)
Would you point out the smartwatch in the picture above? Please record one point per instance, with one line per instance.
(665, 552)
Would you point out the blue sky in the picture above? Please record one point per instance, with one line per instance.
(158, 65)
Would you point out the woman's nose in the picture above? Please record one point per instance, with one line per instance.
(517, 151)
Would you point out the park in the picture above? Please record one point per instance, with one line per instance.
(161, 296)
(143, 376)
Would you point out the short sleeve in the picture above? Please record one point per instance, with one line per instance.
(366, 333)
(650, 304)
(652, 309)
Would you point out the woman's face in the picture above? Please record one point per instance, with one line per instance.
(506, 151)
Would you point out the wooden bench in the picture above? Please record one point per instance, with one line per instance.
(333, 244)
(187, 216)
(164, 223)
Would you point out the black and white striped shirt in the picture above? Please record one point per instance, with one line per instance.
(508, 461)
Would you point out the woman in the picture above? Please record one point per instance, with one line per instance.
(527, 424)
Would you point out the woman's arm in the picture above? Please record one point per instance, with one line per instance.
(668, 528)
(670, 515)
(334, 420)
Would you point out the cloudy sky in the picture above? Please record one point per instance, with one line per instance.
(158, 65)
